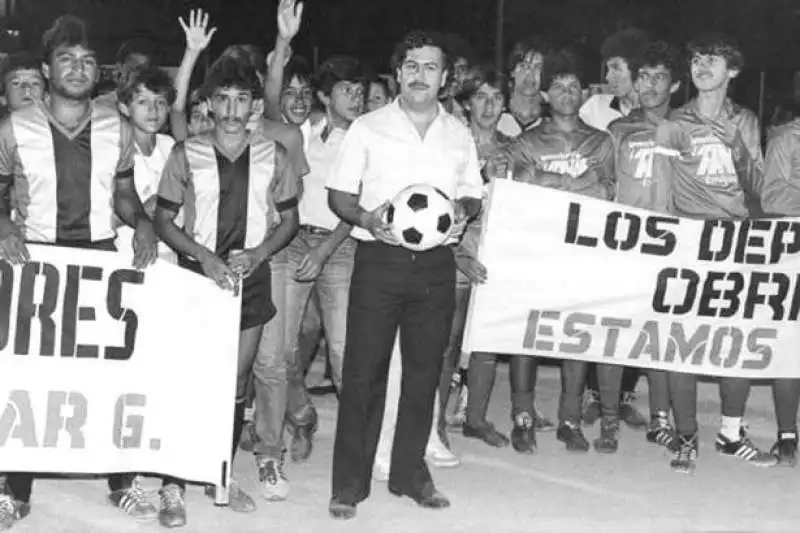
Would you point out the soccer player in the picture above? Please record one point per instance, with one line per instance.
(621, 53)
(484, 98)
(711, 152)
(22, 80)
(655, 81)
(239, 194)
(412, 140)
(67, 191)
(563, 153)
(781, 197)
(145, 95)
(525, 102)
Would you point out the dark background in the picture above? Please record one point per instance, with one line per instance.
(367, 28)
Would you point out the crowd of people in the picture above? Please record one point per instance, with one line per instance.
(275, 179)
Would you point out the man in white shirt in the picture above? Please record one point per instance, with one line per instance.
(413, 140)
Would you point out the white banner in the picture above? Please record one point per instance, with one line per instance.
(107, 369)
(577, 278)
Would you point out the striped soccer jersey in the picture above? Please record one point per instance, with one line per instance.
(63, 181)
(230, 202)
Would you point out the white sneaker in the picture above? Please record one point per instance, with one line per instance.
(274, 484)
(438, 456)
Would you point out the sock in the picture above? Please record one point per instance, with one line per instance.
(731, 427)
(787, 434)
(238, 426)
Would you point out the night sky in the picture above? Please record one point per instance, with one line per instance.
(368, 28)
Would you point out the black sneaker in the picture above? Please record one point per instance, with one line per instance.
(663, 434)
(629, 414)
(785, 449)
(744, 449)
(591, 407)
(173, 507)
(12, 510)
(685, 454)
(523, 436)
(485, 432)
(134, 502)
(573, 437)
(608, 441)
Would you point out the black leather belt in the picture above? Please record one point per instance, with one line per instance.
(315, 230)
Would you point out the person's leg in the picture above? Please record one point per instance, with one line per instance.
(661, 431)
(448, 393)
(786, 395)
(609, 378)
(301, 416)
(683, 392)
(522, 374)
(383, 455)
(375, 303)
(270, 373)
(732, 439)
(573, 377)
(482, 370)
(424, 332)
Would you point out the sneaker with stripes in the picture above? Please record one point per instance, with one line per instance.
(134, 502)
(744, 449)
(662, 433)
(685, 454)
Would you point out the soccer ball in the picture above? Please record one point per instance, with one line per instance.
(421, 216)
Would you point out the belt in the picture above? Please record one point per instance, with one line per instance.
(315, 230)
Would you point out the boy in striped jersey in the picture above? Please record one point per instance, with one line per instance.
(233, 224)
(70, 166)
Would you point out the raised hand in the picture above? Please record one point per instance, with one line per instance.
(197, 33)
(290, 15)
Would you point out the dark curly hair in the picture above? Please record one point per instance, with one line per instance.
(477, 76)
(662, 54)
(418, 39)
(67, 30)
(228, 72)
(716, 44)
(627, 44)
(558, 65)
(152, 78)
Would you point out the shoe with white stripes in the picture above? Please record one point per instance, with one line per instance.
(744, 449)
(134, 502)
(11, 511)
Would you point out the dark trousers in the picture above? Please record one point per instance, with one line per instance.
(391, 288)
(20, 484)
(630, 378)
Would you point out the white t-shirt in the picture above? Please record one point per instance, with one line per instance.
(321, 155)
(382, 154)
(146, 176)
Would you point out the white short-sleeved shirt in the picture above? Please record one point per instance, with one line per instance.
(321, 154)
(601, 110)
(146, 176)
(382, 153)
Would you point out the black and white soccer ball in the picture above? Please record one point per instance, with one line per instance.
(421, 217)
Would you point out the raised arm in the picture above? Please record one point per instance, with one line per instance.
(290, 16)
(197, 39)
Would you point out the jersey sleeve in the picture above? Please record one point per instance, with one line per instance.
(8, 150)
(174, 180)
(127, 149)
(751, 166)
(348, 170)
(284, 186)
(780, 193)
